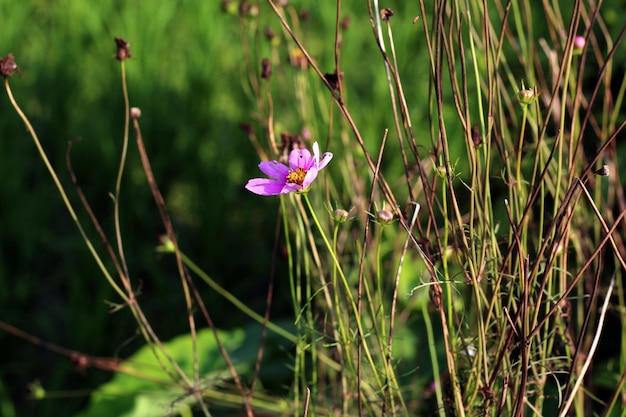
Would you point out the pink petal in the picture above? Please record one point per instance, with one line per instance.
(300, 158)
(274, 169)
(265, 186)
(290, 188)
(316, 151)
(325, 159)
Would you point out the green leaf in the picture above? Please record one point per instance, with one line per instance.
(153, 392)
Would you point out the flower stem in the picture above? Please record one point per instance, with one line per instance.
(64, 197)
(344, 280)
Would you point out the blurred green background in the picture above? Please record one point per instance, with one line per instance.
(190, 76)
(186, 76)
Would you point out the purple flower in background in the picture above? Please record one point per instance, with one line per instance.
(298, 176)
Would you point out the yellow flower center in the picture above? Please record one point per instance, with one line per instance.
(296, 177)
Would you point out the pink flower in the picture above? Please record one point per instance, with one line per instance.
(298, 176)
(579, 42)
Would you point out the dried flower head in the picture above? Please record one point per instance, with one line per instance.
(345, 23)
(247, 128)
(385, 14)
(333, 80)
(123, 50)
(477, 139)
(289, 142)
(436, 295)
(603, 171)
(248, 9)
(266, 69)
(269, 34)
(8, 66)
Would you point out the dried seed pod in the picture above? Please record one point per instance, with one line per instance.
(8, 66)
(123, 50)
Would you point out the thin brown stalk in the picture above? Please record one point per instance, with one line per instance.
(120, 173)
(339, 101)
(591, 351)
(361, 277)
(392, 70)
(187, 282)
(268, 301)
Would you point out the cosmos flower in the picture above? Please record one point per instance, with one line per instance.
(298, 176)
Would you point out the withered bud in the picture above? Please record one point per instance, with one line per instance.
(603, 172)
(247, 128)
(436, 295)
(80, 361)
(8, 66)
(248, 9)
(385, 14)
(269, 33)
(477, 139)
(345, 23)
(333, 80)
(266, 69)
(123, 50)
(135, 112)
(290, 141)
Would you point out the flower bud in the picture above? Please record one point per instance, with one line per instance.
(36, 391)
(270, 35)
(442, 172)
(248, 9)
(340, 215)
(229, 7)
(526, 95)
(579, 43)
(384, 216)
(165, 245)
